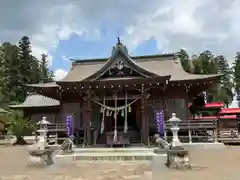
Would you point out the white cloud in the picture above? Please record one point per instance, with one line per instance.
(196, 25)
(59, 74)
(66, 58)
(193, 24)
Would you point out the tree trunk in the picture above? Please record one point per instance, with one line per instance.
(20, 141)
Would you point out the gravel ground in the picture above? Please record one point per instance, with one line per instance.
(215, 165)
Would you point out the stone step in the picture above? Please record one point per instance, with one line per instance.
(106, 157)
(113, 150)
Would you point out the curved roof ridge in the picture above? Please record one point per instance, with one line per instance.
(37, 100)
(137, 58)
(178, 67)
(116, 50)
(40, 85)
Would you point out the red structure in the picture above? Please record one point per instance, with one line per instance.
(228, 118)
(230, 111)
(214, 105)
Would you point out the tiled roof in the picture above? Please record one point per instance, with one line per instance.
(42, 85)
(36, 100)
(161, 65)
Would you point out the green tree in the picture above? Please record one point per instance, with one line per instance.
(26, 59)
(225, 86)
(185, 61)
(46, 74)
(236, 76)
(205, 64)
(18, 125)
(35, 71)
(19, 67)
(10, 80)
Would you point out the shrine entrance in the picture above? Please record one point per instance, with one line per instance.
(119, 124)
(109, 123)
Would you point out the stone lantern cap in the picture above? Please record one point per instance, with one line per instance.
(44, 121)
(174, 119)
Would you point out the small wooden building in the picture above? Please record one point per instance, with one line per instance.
(124, 93)
(36, 106)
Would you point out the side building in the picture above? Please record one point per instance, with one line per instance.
(121, 94)
(36, 106)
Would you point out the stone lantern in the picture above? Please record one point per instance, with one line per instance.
(42, 143)
(174, 121)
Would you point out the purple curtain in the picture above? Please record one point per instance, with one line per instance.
(159, 117)
(68, 121)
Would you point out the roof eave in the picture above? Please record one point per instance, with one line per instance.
(198, 78)
(43, 85)
(160, 78)
(22, 106)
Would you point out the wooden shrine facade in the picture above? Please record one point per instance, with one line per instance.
(143, 84)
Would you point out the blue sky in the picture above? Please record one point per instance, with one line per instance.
(89, 29)
(77, 47)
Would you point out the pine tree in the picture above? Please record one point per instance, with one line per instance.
(25, 58)
(184, 58)
(205, 64)
(46, 74)
(10, 75)
(19, 67)
(236, 76)
(35, 71)
(224, 93)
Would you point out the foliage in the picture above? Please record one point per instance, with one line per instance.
(236, 76)
(18, 125)
(184, 58)
(46, 74)
(19, 67)
(207, 63)
(224, 92)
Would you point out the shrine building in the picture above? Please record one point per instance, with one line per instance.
(120, 95)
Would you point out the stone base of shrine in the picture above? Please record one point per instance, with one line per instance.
(108, 154)
(128, 154)
(204, 146)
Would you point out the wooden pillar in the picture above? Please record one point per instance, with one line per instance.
(187, 89)
(89, 117)
(61, 115)
(238, 122)
(144, 122)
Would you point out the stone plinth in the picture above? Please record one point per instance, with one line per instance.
(158, 164)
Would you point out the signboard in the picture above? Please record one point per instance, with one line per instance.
(159, 118)
(69, 121)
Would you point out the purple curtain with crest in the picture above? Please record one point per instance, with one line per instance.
(159, 118)
(69, 125)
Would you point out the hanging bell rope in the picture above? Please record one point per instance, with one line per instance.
(115, 118)
(119, 107)
(103, 116)
(126, 113)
